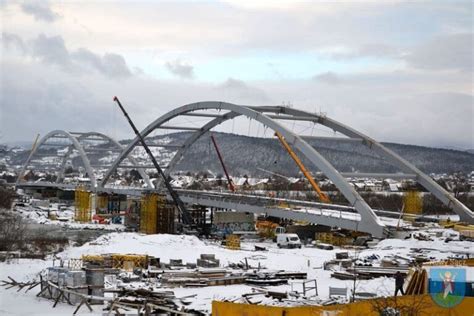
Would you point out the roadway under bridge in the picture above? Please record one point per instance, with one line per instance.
(214, 113)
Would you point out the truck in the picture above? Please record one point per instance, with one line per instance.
(288, 241)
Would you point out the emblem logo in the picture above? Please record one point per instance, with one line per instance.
(447, 286)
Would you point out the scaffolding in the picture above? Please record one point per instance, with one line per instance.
(413, 201)
(82, 205)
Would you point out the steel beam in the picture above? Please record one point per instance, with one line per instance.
(202, 115)
(293, 118)
(163, 145)
(140, 167)
(180, 128)
(341, 139)
(379, 175)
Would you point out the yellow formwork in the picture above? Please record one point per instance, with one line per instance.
(93, 259)
(333, 239)
(128, 262)
(148, 213)
(408, 305)
(413, 201)
(233, 242)
(82, 205)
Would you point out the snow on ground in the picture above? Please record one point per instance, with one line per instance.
(65, 218)
(189, 248)
(21, 303)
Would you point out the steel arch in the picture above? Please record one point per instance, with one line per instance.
(370, 221)
(75, 144)
(113, 142)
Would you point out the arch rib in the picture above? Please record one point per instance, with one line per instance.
(77, 146)
(438, 191)
(369, 221)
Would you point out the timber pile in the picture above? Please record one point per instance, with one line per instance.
(201, 277)
(273, 278)
(375, 272)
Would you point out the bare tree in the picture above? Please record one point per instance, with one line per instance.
(411, 305)
(6, 198)
(12, 231)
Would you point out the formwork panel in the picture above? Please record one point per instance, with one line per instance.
(82, 205)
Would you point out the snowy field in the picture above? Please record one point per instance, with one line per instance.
(189, 248)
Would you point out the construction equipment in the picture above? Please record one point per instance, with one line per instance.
(322, 196)
(229, 180)
(186, 217)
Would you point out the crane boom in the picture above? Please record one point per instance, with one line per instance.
(322, 196)
(187, 219)
(229, 180)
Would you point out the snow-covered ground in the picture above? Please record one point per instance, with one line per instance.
(64, 218)
(189, 248)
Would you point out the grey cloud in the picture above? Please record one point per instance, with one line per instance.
(235, 88)
(40, 10)
(52, 50)
(387, 107)
(180, 69)
(13, 41)
(444, 52)
(111, 65)
(329, 77)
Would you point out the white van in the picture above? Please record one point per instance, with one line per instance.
(288, 241)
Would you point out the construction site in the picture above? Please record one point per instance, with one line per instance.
(163, 249)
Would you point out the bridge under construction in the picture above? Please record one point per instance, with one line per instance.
(61, 146)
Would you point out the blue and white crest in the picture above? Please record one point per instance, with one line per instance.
(447, 286)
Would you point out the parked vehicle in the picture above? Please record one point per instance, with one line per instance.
(288, 241)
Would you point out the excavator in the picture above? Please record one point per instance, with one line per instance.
(323, 197)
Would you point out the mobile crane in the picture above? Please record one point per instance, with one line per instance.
(186, 216)
(322, 196)
(229, 180)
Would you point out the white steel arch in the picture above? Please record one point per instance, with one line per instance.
(75, 144)
(268, 115)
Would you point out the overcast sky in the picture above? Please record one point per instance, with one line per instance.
(398, 71)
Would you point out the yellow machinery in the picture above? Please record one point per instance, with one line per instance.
(82, 205)
(413, 201)
(322, 196)
(233, 242)
(266, 229)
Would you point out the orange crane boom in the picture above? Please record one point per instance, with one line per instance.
(322, 196)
